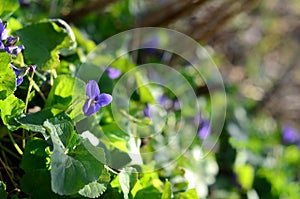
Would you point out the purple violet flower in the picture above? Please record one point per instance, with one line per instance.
(113, 73)
(3, 31)
(21, 72)
(14, 50)
(95, 100)
(290, 135)
(204, 128)
(147, 111)
(8, 43)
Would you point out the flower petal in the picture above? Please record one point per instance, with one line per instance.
(113, 73)
(290, 135)
(104, 99)
(19, 80)
(90, 107)
(92, 89)
(14, 50)
(204, 131)
(3, 31)
(147, 111)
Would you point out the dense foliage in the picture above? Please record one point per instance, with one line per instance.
(85, 121)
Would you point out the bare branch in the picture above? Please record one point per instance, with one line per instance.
(87, 9)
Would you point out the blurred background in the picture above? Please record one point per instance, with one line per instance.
(255, 44)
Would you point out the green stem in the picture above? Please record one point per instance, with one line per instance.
(15, 144)
(130, 117)
(28, 92)
(112, 170)
(36, 87)
(9, 151)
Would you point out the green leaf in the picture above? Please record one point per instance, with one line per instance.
(167, 193)
(36, 164)
(43, 42)
(11, 108)
(7, 8)
(148, 192)
(74, 167)
(190, 194)
(116, 136)
(34, 121)
(72, 172)
(66, 92)
(92, 190)
(7, 76)
(144, 92)
(127, 179)
(36, 155)
(69, 44)
(3, 193)
(63, 127)
(38, 184)
(245, 174)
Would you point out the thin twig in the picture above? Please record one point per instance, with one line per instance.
(170, 13)
(36, 87)
(221, 15)
(15, 144)
(10, 152)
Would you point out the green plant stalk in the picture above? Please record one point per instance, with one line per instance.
(26, 106)
(36, 87)
(15, 144)
(9, 151)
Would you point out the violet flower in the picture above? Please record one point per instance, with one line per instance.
(3, 31)
(21, 72)
(168, 103)
(204, 128)
(8, 43)
(113, 73)
(290, 135)
(147, 111)
(95, 100)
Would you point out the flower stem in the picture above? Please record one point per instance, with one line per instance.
(112, 170)
(28, 92)
(31, 82)
(15, 144)
(130, 117)
(36, 87)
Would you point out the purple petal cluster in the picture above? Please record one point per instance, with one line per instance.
(290, 135)
(204, 128)
(95, 99)
(113, 73)
(9, 43)
(169, 104)
(147, 111)
(21, 72)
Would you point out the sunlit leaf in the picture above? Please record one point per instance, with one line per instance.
(7, 76)
(11, 108)
(72, 167)
(7, 8)
(127, 179)
(43, 42)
